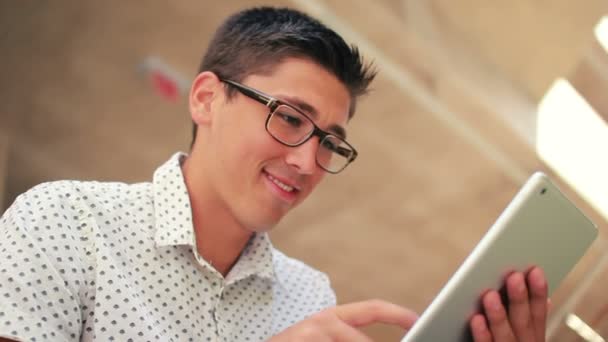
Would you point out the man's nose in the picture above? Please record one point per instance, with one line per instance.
(304, 157)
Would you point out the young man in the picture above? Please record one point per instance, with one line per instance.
(187, 257)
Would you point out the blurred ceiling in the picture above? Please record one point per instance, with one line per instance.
(446, 137)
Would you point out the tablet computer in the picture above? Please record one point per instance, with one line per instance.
(540, 227)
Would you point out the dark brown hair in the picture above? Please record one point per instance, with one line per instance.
(255, 40)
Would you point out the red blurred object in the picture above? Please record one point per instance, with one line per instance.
(165, 86)
(168, 83)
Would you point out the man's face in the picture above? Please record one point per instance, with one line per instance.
(257, 178)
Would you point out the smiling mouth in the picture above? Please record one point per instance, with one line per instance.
(281, 185)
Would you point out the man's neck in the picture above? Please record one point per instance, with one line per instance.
(220, 239)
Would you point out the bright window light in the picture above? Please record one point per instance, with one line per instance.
(601, 32)
(582, 329)
(572, 139)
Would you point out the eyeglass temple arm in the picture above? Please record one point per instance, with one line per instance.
(266, 100)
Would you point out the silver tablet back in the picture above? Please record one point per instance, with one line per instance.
(539, 227)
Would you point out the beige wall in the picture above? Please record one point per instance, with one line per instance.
(3, 166)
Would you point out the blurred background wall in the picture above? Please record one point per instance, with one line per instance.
(94, 90)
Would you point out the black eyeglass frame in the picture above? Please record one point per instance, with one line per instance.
(273, 103)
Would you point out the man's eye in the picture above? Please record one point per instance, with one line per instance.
(330, 145)
(290, 119)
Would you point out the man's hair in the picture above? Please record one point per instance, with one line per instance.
(256, 40)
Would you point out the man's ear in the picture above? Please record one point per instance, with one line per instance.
(206, 88)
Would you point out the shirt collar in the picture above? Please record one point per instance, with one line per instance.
(172, 205)
(173, 216)
(256, 259)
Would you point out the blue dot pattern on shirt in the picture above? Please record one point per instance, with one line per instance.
(115, 262)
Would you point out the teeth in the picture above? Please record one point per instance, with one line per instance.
(280, 184)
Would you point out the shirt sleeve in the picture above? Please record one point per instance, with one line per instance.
(40, 270)
(327, 296)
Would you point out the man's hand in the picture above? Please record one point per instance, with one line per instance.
(526, 317)
(341, 323)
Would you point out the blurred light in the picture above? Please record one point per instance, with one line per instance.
(572, 139)
(601, 32)
(582, 329)
(167, 82)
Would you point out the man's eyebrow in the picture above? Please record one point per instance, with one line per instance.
(313, 113)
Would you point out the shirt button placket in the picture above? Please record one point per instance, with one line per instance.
(216, 315)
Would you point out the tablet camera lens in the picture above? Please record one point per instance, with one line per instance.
(542, 191)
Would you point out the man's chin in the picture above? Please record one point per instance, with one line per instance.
(267, 214)
(266, 225)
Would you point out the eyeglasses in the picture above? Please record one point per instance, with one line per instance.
(291, 127)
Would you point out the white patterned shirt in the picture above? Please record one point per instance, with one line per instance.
(111, 261)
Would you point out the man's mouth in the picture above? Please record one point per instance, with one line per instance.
(280, 184)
